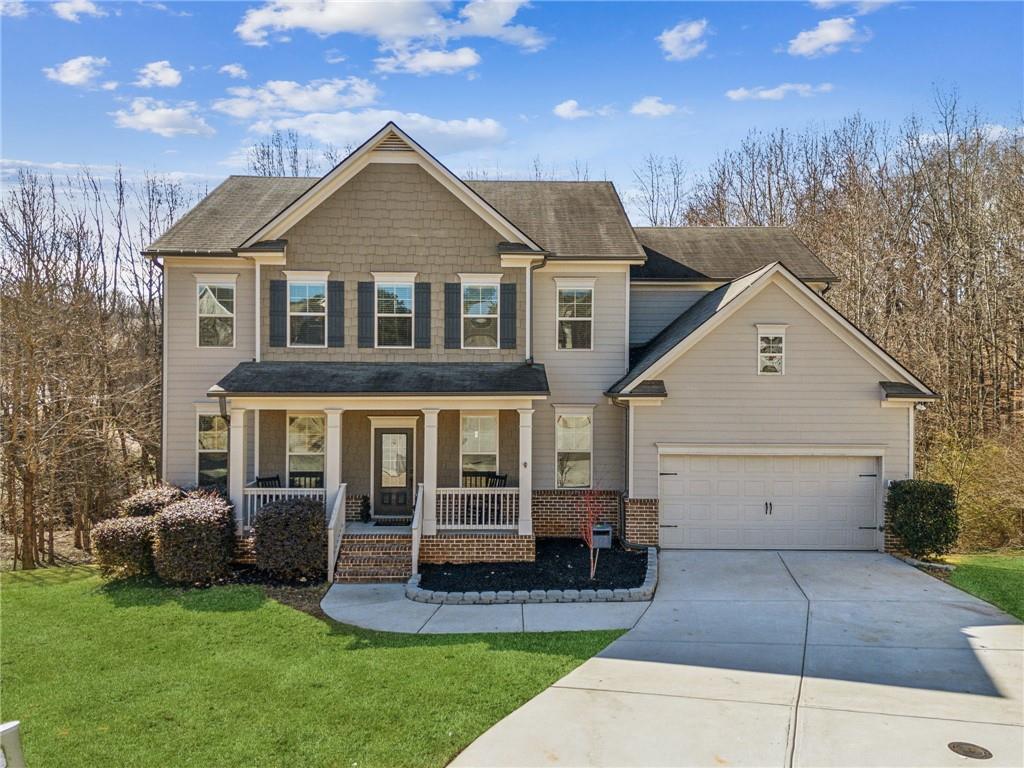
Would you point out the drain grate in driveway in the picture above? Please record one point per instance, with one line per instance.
(966, 749)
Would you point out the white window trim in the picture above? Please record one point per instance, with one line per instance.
(478, 281)
(288, 444)
(575, 410)
(225, 280)
(200, 412)
(576, 284)
(407, 278)
(774, 329)
(305, 277)
(497, 440)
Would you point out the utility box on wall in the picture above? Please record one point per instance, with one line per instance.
(602, 533)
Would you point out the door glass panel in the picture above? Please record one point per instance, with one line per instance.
(393, 451)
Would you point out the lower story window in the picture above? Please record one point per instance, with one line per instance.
(479, 443)
(306, 451)
(573, 451)
(212, 450)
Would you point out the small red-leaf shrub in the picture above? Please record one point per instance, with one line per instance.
(149, 501)
(291, 539)
(194, 539)
(124, 546)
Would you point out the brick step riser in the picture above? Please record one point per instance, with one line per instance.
(343, 573)
(369, 579)
(350, 562)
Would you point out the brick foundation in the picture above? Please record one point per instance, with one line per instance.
(893, 544)
(477, 548)
(560, 513)
(354, 508)
(642, 521)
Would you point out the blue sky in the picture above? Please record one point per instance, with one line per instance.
(186, 87)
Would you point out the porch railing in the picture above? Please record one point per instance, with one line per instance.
(335, 530)
(477, 508)
(417, 529)
(257, 498)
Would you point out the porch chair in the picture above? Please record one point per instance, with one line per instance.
(270, 481)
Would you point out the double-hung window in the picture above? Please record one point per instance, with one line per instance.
(393, 309)
(771, 350)
(575, 314)
(479, 442)
(307, 309)
(574, 429)
(480, 306)
(305, 451)
(212, 450)
(215, 310)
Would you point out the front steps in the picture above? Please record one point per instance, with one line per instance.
(374, 557)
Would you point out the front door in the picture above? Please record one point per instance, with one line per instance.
(392, 483)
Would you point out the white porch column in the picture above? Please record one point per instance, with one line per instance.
(332, 456)
(236, 463)
(525, 471)
(430, 471)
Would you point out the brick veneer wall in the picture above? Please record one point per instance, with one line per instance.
(560, 513)
(893, 544)
(354, 508)
(477, 548)
(642, 521)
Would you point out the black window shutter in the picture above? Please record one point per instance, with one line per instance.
(365, 314)
(508, 316)
(278, 313)
(452, 315)
(335, 313)
(422, 320)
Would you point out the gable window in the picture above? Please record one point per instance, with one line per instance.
(574, 447)
(212, 451)
(307, 309)
(479, 448)
(771, 350)
(305, 451)
(215, 310)
(575, 314)
(393, 308)
(480, 303)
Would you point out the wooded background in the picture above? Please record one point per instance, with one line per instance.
(923, 224)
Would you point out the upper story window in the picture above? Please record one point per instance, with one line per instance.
(574, 429)
(480, 307)
(393, 309)
(575, 314)
(215, 310)
(479, 444)
(307, 309)
(212, 450)
(771, 350)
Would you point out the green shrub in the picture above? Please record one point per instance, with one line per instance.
(291, 539)
(923, 515)
(149, 501)
(194, 539)
(124, 546)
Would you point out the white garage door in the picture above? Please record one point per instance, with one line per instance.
(768, 502)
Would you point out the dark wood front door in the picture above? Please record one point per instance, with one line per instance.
(393, 468)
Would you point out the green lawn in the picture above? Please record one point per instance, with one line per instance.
(997, 578)
(143, 675)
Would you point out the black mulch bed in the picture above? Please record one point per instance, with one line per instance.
(560, 564)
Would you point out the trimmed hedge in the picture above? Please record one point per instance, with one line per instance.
(124, 546)
(923, 515)
(194, 539)
(291, 539)
(149, 501)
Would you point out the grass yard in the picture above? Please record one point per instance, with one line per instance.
(997, 578)
(142, 675)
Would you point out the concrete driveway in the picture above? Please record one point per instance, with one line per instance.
(780, 659)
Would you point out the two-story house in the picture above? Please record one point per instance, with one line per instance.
(498, 356)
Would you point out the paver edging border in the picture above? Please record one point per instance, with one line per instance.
(643, 593)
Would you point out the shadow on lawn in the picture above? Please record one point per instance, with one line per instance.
(141, 592)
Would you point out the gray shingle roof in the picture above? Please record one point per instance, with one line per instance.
(288, 378)
(898, 390)
(723, 253)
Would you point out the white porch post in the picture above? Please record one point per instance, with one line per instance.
(525, 471)
(430, 471)
(332, 456)
(236, 463)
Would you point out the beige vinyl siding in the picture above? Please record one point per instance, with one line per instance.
(192, 370)
(652, 307)
(828, 395)
(581, 377)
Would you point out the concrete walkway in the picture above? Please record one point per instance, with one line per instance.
(384, 607)
(783, 659)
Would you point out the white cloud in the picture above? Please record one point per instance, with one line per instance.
(570, 109)
(426, 62)
(234, 71)
(685, 40)
(652, 106)
(827, 37)
(158, 74)
(277, 97)
(81, 71)
(147, 114)
(333, 56)
(779, 92)
(860, 8)
(13, 8)
(70, 10)
(485, 18)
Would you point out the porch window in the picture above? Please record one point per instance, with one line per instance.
(306, 451)
(212, 451)
(575, 314)
(771, 349)
(479, 443)
(215, 310)
(394, 307)
(573, 448)
(479, 316)
(307, 313)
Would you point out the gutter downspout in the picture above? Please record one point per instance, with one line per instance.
(529, 309)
